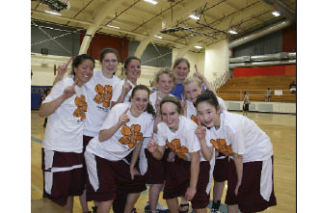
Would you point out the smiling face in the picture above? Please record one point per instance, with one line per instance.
(133, 70)
(170, 115)
(181, 71)
(208, 115)
(192, 91)
(84, 71)
(139, 100)
(165, 83)
(109, 63)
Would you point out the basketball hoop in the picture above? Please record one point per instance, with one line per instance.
(57, 5)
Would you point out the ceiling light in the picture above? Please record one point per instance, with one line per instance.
(233, 32)
(111, 26)
(193, 16)
(276, 13)
(158, 36)
(151, 2)
(52, 12)
(198, 47)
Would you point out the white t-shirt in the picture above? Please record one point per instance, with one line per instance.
(119, 89)
(183, 141)
(241, 135)
(64, 130)
(100, 92)
(124, 139)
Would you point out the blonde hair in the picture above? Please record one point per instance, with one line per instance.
(167, 71)
(190, 80)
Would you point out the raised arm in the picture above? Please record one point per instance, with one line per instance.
(206, 83)
(62, 69)
(125, 89)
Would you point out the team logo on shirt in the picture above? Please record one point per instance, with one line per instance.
(104, 95)
(194, 118)
(221, 146)
(175, 146)
(131, 135)
(82, 107)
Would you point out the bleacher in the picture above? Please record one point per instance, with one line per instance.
(256, 86)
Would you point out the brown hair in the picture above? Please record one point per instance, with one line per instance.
(174, 100)
(179, 60)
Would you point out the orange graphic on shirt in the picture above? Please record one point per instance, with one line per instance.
(221, 146)
(82, 107)
(194, 118)
(131, 135)
(175, 146)
(104, 95)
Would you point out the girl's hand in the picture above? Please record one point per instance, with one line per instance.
(133, 172)
(126, 86)
(152, 146)
(190, 193)
(200, 132)
(171, 157)
(197, 74)
(124, 118)
(62, 69)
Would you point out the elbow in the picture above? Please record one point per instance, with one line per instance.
(42, 113)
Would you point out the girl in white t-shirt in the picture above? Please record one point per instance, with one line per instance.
(250, 173)
(164, 82)
(192, 88)
(100, 91)
(189, 174)
(121, 134)
(132, 66)
(66, 107)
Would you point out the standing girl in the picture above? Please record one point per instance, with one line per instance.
(100, 92)
(123, 132)
(185, 176)
(181, 69)
(250, 173)
(66, 107)
(154, 169)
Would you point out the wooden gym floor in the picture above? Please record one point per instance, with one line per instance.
(280, 127)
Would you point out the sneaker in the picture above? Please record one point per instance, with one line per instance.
(161, 208)
(214, 211)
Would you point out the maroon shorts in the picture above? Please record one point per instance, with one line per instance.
(156, 169)
(62, 175)
(110, 177)
(178, 178)
(249, 198)
(220, 171)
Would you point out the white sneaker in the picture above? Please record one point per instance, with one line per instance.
(161, 208)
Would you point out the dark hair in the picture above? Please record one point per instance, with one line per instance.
(150, 108)
(128, 60)
(209, 97)
(108, 50)
(179, 60)
(172, 99)
(79, 59)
